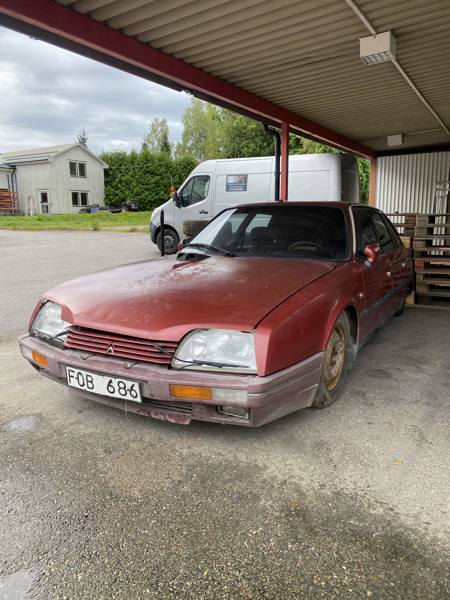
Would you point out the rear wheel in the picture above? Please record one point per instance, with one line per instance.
(401, 310)
(336, 363)
(171, 241)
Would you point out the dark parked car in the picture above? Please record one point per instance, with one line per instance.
(262, 314)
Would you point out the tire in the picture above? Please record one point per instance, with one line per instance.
(171, 241)
(401, 310)
(337, 362)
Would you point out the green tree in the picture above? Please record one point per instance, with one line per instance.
(82, 137)
(364, 174)
(202, 131)
(241, 137)
(144, 176)
(157, 138)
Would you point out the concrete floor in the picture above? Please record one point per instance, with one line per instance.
(349, 502)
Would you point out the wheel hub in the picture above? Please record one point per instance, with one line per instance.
(334, 358)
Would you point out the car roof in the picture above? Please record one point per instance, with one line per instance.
(328, 203)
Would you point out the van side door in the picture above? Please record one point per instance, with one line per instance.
(195, 201)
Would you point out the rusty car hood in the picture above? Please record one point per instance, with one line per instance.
(161, 300)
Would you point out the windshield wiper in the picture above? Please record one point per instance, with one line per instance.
(207, 247)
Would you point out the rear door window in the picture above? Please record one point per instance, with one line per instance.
(384, 237)
(393, 232)
(364, 230)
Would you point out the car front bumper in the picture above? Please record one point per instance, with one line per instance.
(267, 398)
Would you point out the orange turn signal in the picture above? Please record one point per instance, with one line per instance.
(191, 391)
(39, 359)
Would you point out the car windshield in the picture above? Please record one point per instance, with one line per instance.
(287, 231)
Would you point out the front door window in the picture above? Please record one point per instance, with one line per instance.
(195, 190)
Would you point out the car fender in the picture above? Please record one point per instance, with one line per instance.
(301, 326)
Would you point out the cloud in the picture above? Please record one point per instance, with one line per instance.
(48, 94)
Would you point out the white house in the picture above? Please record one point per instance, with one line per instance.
(57, 179)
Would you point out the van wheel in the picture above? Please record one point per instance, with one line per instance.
(171, 241)
(336, 363)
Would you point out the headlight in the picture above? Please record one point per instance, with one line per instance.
(217, 349)
(48, 321)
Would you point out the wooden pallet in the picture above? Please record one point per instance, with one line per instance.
(432, 263)
(433, 283)
(431, 219)
(429, 236)
(427, 229)
(406, 222)
(407, 240)
(8, 201)
(430, 251)
(432, 300)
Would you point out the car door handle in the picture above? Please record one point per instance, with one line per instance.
(203, 212)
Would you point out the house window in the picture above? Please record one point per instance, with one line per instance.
(80, 198)
(77, 169)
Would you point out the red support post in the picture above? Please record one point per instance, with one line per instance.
(373, 183)
(284, 161)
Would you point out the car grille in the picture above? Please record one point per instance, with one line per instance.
(184, 408)
(119, 346)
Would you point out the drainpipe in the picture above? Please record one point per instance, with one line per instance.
(284, 161)
(277, 141)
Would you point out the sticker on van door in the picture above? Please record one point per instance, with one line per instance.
(236, 183)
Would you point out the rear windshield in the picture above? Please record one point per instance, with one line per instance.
(316, 232)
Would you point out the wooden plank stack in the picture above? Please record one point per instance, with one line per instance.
(429, 236)
(8, 202)
(431, 245)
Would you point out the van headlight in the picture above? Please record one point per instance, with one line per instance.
(217, 349)
(48, 322)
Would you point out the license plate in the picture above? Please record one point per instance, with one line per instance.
(103, 384)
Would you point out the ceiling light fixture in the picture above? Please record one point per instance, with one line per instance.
(395, 140)
(377, 48)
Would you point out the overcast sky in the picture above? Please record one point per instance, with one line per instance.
(48, 94)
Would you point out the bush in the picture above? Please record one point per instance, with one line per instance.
(144, 176)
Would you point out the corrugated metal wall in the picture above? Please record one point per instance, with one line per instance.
(407, 183)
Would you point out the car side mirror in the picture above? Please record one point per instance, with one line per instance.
(371, 252)
(176, 199)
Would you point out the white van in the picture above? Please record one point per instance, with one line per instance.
(218, 184)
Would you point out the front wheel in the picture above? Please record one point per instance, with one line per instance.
(336, 363)
(171, 241)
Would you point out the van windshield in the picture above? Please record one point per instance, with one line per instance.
(317, 232)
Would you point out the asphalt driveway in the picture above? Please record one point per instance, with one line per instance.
(349, 502)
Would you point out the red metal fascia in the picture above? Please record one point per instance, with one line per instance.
(67, 24)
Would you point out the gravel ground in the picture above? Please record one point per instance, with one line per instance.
(349, 502)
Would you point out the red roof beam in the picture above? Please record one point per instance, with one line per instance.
(66, 28)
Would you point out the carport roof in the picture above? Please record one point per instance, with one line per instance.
(302, 57)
